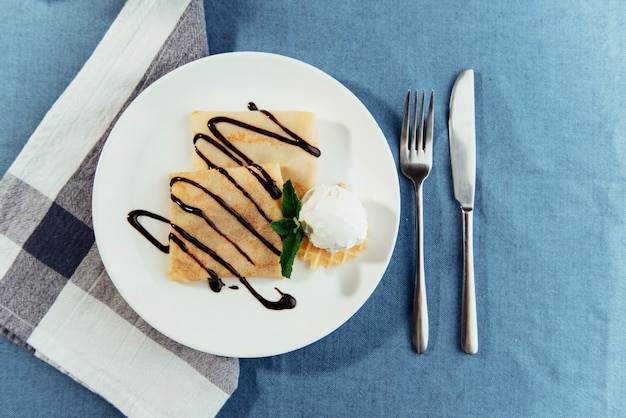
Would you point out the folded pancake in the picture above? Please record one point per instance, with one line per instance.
(220, 223)
(231, 139)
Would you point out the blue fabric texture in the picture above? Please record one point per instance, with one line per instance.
(549, 221)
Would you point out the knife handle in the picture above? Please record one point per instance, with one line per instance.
(469, 321)
(420, 306)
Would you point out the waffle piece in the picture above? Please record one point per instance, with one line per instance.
(218, 230)
(318, 257)
(231, 139)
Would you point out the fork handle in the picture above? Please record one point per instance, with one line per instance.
(420, 306)
(469, 321)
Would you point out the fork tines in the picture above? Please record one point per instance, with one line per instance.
(418, 139)
(416, 144)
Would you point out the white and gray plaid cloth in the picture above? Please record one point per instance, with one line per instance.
(56, 299)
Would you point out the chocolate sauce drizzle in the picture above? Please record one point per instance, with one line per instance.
(219, 141)
(182, 238)
(216, 284)
(273, 190)
(228, 208)
(133, 218)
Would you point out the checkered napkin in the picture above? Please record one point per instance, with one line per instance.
(56, 299)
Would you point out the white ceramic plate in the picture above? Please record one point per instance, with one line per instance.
(153, 138)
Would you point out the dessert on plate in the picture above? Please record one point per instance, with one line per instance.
(220, 223)
(223, 213)
(231, 139)
(335, 224)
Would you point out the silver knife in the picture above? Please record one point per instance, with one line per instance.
(462, 133)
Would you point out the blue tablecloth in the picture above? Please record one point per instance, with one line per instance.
(550, 218)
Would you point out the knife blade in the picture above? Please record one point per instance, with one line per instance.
(462, 135)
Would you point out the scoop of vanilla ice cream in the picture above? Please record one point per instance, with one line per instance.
(333, 218)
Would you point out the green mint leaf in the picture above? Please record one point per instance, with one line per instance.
(285, 226)
(291, 203)
(289, 228)
(291, 245)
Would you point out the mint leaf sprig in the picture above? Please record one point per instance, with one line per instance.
(289, 228)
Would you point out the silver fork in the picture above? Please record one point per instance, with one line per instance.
(416, 159)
